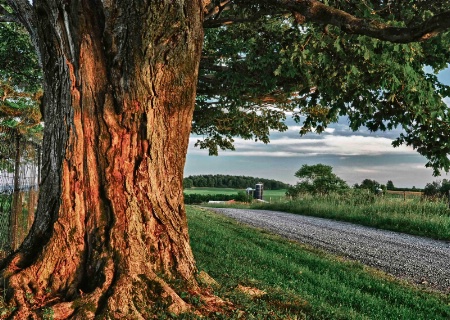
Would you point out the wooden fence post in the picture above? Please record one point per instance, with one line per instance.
(39, 155)
(448, 197)
(16, 203)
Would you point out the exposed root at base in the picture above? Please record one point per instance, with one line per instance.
(128, 298)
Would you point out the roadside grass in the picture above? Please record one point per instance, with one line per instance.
(5, 209)
(413, 216)
(299, 282)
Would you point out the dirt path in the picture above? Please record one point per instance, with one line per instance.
(416, 259)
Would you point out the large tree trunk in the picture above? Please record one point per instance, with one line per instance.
(110, 231)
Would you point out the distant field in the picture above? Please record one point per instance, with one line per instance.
(267, 194)
(404, 194)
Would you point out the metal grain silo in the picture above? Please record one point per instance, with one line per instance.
(258, 194)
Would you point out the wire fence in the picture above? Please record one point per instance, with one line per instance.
(20, 164)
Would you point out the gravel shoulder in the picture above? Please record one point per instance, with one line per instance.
(416, 259)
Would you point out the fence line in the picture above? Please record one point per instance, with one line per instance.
(20, 165)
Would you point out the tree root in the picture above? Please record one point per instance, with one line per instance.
(138, 297)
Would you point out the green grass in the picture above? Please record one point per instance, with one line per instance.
(5, 211)
(300, 283)
(200, 190)
(268, 195)
(414, 216)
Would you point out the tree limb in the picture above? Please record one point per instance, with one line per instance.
(214, 7)
(5, 16)
(23, 10)
(215, 23)
(316, 11)
(9, 18)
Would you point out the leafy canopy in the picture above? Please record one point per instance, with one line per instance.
(20, 82)
(261, 63)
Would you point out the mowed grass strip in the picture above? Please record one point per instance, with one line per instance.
(299, 282)
(274, 195)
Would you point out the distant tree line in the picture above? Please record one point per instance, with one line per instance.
(228, 181)
(374, 185)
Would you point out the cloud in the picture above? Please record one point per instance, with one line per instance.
(338, 145)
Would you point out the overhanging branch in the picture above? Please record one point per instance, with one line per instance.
(9, 18)
(316, 11)
(215, 23)
(215, 8)
(5, 16)
(23, 11)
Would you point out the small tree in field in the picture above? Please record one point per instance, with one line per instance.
(126, 81)
(317, 179)
(437, 189)
(372, 185)
(432, 190)
(390, 185)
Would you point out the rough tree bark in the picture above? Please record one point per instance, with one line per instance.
(110, 232)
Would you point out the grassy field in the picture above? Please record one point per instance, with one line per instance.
(411, 214)
(298, 282)
(268, 195)
(414, 216)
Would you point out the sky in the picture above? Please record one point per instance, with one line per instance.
(354, 156)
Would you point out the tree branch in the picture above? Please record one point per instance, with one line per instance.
(23, 11)
(215, 23)
(315, 11)
(8, 18)
(215, 8)
(5, 16)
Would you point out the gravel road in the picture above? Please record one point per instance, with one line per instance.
(420, 260)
